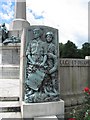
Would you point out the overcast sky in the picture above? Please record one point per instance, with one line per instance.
(70, 17)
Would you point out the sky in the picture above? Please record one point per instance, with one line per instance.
(70, 17)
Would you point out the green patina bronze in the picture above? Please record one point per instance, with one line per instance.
(4, 32)
(5, 37)
(12, 39)
(41, 68)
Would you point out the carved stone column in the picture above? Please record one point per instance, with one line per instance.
(20, 9)
(19, 21)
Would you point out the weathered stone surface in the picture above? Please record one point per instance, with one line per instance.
(9, 72)
(20, 9)
(9, 115)
(10, 54)
(20, 21)
(32, 110)
(19, 24)
(74, 76)
(74, 62)
(46, 118)
(16, 33)
(9, 89)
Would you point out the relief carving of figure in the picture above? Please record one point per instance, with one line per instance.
(40, 69)
(5, 37)
(51, 63)
(36, 58)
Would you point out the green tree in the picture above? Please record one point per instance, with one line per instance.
(79, 54)
(69, 50)
(86, 49)
(61, 48)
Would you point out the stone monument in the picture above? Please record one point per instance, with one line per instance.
(19, 21)
(9, 52)
(39, 73)
(39, 59)
(10, 42)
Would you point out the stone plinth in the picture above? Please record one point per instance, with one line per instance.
(16, 33)
(9, 91)
(31, 110)
(19, 24)
(9, 61)
(10, 58)
(10, 53)
(9, 71)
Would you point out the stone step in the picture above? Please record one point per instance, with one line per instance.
(10, 115)
(9, 99)
(11, 106)
(9, 88)
(47, 118)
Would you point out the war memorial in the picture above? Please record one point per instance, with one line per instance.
(34, 82)
(35, 49)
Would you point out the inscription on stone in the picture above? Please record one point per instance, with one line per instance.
(74, 62)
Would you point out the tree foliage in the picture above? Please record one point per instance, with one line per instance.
(86, 49)
(70, 50)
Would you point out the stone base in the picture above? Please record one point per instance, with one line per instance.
(19, 24)
(10, 54)
(32, 110)
(9, 71)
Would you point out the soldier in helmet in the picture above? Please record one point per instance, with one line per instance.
(51, 52)
(51, 62)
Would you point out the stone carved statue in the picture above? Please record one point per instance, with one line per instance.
(40, 77)
(12, 39)
(5, 37)
(4, 32)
